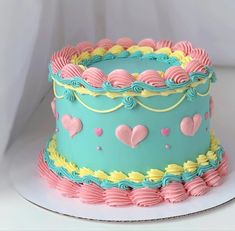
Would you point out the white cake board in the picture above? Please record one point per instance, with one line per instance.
(33, 188)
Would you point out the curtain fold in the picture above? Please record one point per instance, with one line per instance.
(32, 30)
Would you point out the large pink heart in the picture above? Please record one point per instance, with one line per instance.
(190, 125)
(71, 124)
(131, 136)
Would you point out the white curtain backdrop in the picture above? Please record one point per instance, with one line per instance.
(30, 30)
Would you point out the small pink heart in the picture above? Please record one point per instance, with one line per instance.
(165, 131)
(130, 136)
(206, 115)
(98, 131)
(71, 124)
(189, 126)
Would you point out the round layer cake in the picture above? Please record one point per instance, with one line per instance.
(132, 123)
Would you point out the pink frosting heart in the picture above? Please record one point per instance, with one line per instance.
(165, 131)
(71, 124)
(190, 125)
(131, 136)
(98, 131)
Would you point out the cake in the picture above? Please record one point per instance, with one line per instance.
(132, 123)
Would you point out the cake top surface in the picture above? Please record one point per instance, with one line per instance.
(145, 68)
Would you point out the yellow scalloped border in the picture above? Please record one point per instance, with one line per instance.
(152, 174)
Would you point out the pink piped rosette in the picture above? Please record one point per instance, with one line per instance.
(176, 74)
(173, 192)
(94, 76)
(152, 77)
(120, 78)
(197, 58)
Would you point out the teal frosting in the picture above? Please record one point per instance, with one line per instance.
(129, 102)
(109, 56)
(151, 152)
(123, 54)
(202, 169)
(69, 95)
(96, 58)
(124, 184)
(191, 94)
(188, 176)
(136, 54)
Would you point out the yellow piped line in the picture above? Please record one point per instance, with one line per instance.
(207, 92)
(162, 110)
(96, 110)
(55, 93)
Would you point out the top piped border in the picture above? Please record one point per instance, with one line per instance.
(70, 66)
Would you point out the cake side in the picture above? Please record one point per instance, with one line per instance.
(123, 101)
(101, 144)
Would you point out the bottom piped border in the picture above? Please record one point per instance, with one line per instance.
(172, 192)
(154, 178)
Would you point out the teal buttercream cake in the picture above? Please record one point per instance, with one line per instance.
(134, 119)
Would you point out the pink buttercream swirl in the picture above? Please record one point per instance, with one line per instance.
(196, 187)
(105, 43)
(91, 194)
(66, 52)
(145, 197)
(85, 46)
(212, 178)
(223, 167)
(125, 42)
(201, 55)
(51, 178)
(70, 71)
(152, 78)
(117, 197)
(163, 43)
(174, 192)
(59, 63)
(94, 76)
(195, 66)
(68, 188)
(120, 78)
(148, 42)
(184, 46)
(60, 58)
(176, 74)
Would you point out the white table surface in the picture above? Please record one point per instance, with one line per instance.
(18, 214)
